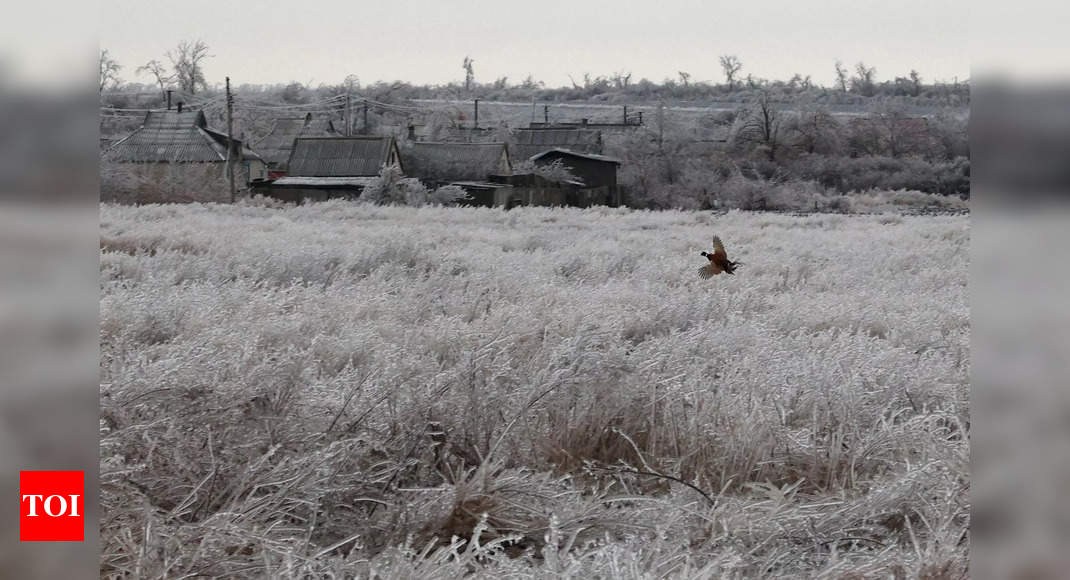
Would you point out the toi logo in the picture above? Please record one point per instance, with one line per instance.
(51, 506)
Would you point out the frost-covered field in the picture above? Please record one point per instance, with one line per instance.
(340, 390)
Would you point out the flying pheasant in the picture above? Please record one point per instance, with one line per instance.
(719, 261)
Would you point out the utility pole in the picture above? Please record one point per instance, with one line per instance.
(230, 140)
(349, 117)
(366, 117)
(169, 99)
(477, 114)
(625, 114)
(661, 123)
(546, 114)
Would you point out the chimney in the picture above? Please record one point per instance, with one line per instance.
(169, 99)
(180, 106)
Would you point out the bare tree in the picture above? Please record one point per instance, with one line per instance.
(685, 78)
(469, 73)
(841, 76)
(621, 80)
(902, 134)
(109, 70)
(814, 130)
(531, 83)
(187, 60)
(915, 80)
(159, 71)
(731, 65)
(761, 126)
(863, 81)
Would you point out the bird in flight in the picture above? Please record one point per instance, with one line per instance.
(719, 261)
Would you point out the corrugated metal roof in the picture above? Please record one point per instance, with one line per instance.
(563, 151)
(275, 147)
(169, 136)
(173, 137)
(532, 141)
(455, 161)
(339, 156)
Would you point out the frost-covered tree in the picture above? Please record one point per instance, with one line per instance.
(814, 130)
(731, 65)
(864, 81)
(841, 76)
(187, 59)
(554, 172)
(159, 72)
(761, 126)
(469, 72)
(109, 70)
(393, 188)
(915, 83)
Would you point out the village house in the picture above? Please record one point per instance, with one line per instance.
(174, 156)
(466, 165)
(275, 147)
(322, 168)
(532, 141)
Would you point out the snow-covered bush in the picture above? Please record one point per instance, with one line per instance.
(392, 188)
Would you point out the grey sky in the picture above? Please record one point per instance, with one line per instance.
(424, 41)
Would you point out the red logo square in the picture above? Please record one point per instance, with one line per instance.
(51, 506)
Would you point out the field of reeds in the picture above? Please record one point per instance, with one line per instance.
(345, 390)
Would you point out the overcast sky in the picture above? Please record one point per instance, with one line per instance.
(424, 41)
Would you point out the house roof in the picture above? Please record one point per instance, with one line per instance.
(340, 156)
(275, 147)
(324, 181)
(170, 136)
(480, 184)
(532, 141)
(562, 151)
(455, 161)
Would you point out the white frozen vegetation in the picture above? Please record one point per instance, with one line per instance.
(392, 188)
(353, 390)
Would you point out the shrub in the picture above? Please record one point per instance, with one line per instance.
(392, 188)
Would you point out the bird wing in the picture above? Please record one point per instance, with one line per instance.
(718, 249)
(709, 270)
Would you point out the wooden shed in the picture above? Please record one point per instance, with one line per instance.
(594, 170)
